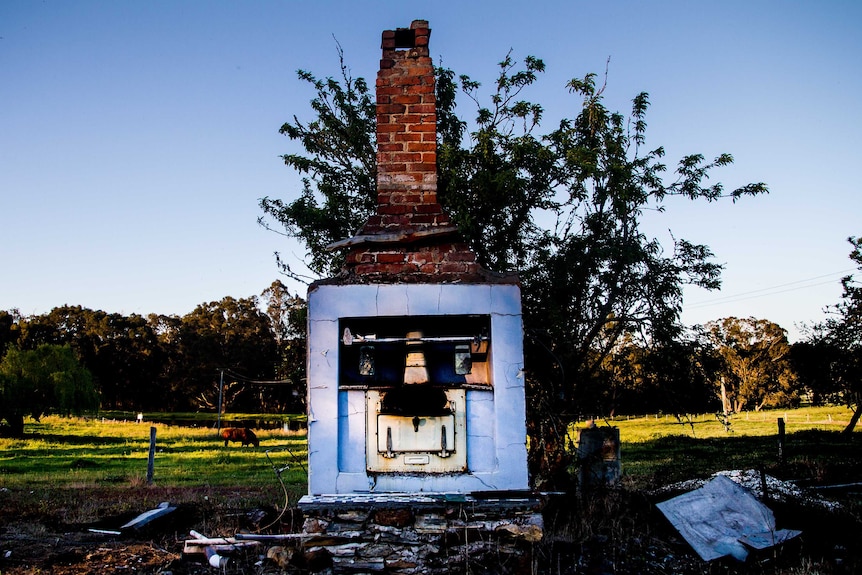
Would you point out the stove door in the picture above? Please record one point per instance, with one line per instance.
(416, 444)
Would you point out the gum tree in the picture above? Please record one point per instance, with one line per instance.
(754, 364)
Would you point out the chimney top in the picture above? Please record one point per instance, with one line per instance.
(410, 238)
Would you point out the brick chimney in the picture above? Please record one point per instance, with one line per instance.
(406, 134)
(410, 239)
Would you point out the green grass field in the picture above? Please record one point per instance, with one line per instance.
(113, 450)
(103, 452)
(661, 449)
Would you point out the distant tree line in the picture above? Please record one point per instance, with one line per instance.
(164, 362)
(171, 363)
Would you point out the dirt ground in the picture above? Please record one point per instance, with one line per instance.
(51, 531)
(57, 531)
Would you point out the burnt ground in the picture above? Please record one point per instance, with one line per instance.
(49, 531)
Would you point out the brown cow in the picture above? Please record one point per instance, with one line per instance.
(244, 436)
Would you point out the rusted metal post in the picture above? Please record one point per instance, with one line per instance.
(599, 457)
(151, 460)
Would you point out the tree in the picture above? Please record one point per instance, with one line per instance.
(287, 314)
(121, 352)
(227, 334)
(755, 370)
(563, 208)
(671, 377)
(9, 328)
(48, 378)
(841, 334)
(339, 171)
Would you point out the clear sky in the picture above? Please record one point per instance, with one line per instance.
(137, 137)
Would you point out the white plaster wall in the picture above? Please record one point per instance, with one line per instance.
(496, 427)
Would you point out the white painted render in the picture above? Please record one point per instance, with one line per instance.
(496, 424)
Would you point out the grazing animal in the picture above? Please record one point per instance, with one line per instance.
(244, 436)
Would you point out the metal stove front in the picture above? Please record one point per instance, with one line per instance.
(415, 373)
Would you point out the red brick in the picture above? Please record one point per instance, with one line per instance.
(423, 147)
(366, 269)
(391, 108)
(423, 108)
(452, 268)
(399, 81)
(462, 256)
(423, 128)
(390, 258)
(392, 168)
(408, 118)
(407, 137)
(406, 99)
(424, 218)
(428, 208)
(393, 209)
(408, 157)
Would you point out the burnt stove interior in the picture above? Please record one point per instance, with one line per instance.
(404, 353)
(415, 401)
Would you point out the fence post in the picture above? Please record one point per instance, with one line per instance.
(151, 460)
(781, 440)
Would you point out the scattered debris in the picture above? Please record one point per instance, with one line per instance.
(138, 522)
(751, 479)
(214, 549)
(723, 518)
(163, 509)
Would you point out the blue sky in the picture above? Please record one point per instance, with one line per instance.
(137, 137)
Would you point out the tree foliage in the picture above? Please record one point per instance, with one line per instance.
(563, 207)
(120, 351)
(226, 334)
(167, 362)
(338, 171)
(839, 339)
(46, 379)
(287, 314)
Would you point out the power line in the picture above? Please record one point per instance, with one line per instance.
(243, 379)
(770, 291)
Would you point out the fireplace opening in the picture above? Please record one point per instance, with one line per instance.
(414, 351)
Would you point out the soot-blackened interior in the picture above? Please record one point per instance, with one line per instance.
(415, 400)
(373, 351)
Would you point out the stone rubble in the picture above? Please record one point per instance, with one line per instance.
(414, 541)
